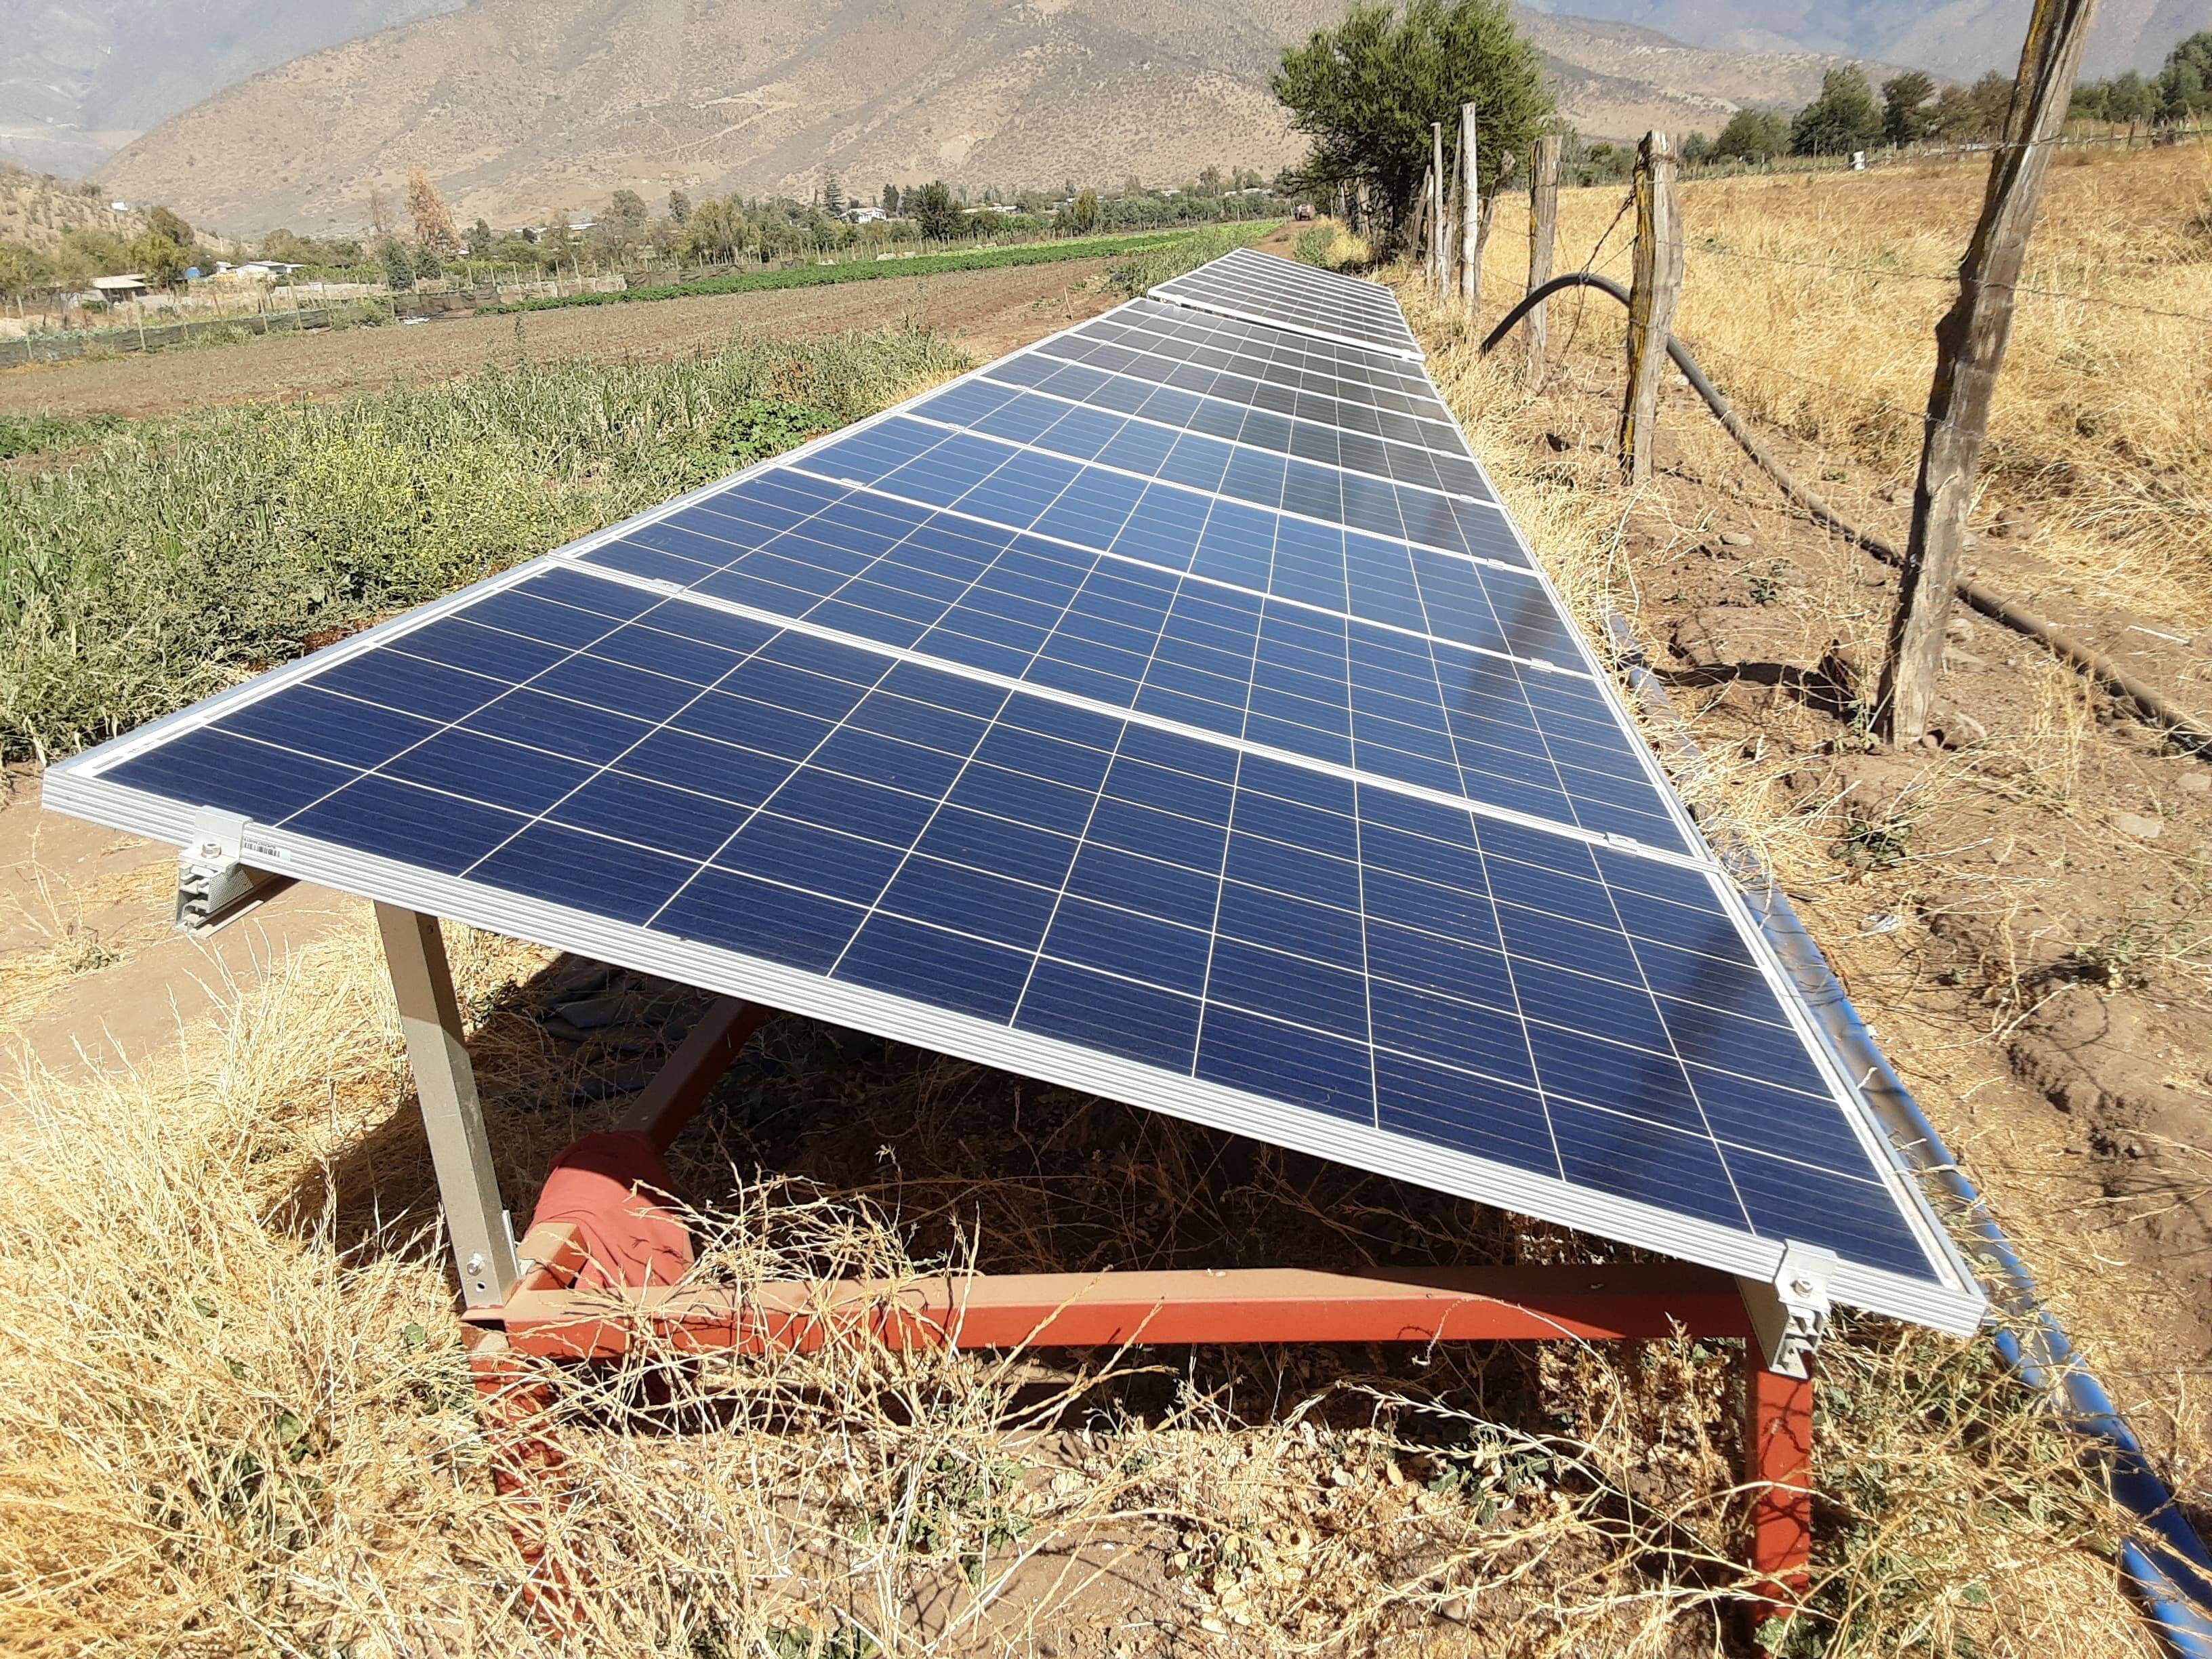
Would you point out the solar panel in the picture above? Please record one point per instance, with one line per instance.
(1260, 288)
(1204, 746)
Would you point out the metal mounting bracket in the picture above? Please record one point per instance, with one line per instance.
(1790, 1312)
(214, 888)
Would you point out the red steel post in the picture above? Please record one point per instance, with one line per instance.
(1778, 1452)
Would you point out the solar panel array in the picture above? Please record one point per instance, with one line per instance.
(1168, 709)
(1261, 288)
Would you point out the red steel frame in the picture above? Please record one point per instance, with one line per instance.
(545, 1317)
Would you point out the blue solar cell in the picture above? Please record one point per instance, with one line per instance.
(1150, 694)
(949, 970)
(398, 820)
(760, 918)
(1142, 1023)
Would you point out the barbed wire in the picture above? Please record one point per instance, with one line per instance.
(2072, 297)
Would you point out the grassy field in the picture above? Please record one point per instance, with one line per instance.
(1812, 301)
(1219, 237)
(262, 1442)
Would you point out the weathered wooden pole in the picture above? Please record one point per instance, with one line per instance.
(1417, 226)
(1652, 297)
(1970, 349)
(1447, 230)
(1471, 220)
(1543, 235)
(1437, 207)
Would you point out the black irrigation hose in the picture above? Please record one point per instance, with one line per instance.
(2150, 705)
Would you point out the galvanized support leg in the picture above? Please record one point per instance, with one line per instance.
(468, 1187)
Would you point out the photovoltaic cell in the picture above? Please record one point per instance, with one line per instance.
(1122, 731)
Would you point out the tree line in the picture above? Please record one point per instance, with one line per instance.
(1913, 110)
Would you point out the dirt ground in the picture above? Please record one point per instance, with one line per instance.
(989, 312)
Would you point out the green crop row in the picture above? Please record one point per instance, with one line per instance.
(173, 558)
(860, 270)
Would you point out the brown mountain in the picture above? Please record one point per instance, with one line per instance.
(522, 109)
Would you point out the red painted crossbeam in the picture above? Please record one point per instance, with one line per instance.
(1479, 1304)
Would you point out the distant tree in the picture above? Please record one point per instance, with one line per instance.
(1842, 118)
(1366, 92)
(889, 201)
(833, 195)
(481, 238)
(932, 206)
(428, 267)
(1083, 212)
(398, 265)
(679, 207)
(716, 230)
(625, 215)
(2126, 97)
(1905, 98)
(1209, 180)
(1975, 113)
(434, 220)
(169, 227)
(1753, 135)
(23, 270)
(2184, 84)
(379, 210)
(161, 261)
(1697, 148)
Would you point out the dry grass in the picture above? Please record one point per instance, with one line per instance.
(1813, 302)
(236, 1420)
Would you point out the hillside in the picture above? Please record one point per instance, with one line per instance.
(523, 110)
(79, 81)
(38, 211)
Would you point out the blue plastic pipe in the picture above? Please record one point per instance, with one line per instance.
(2171, 1576)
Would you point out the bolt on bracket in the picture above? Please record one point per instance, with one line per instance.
(1790, 1312)
(214, 887)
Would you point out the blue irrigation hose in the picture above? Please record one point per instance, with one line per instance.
(2171, 1578)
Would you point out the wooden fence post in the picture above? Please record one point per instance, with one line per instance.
(1652, 298)
(1543, 235)
(1447, 232)
(1471, 220)
(1970, 349)
(1417, 228)
(1437, 207)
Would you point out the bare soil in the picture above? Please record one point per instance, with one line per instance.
(988, 312)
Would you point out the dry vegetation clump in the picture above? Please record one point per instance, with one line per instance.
(236, 1418)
